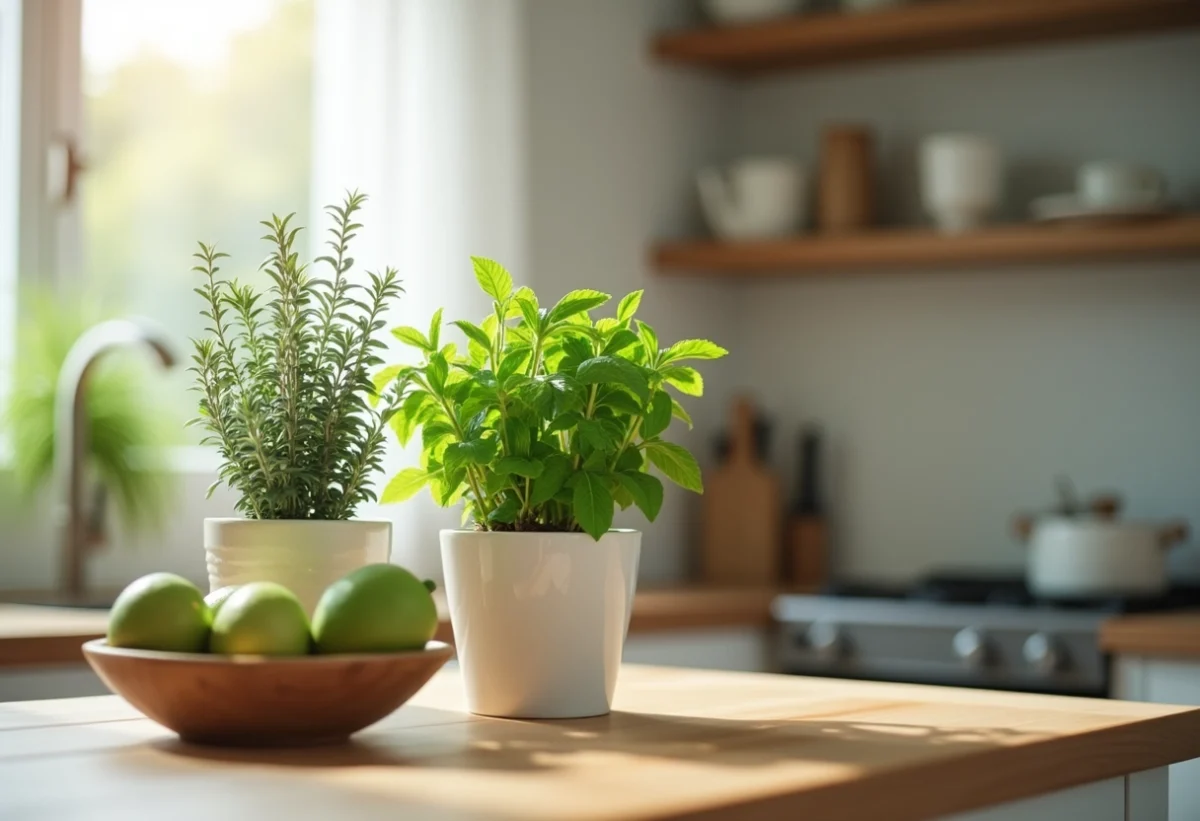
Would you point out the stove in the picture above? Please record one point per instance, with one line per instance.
(956, 629)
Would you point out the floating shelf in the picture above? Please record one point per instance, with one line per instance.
(914, 29)
(909, 249)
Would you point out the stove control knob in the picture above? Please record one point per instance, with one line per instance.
(825, 640)
(1042, 653)
(971, 647)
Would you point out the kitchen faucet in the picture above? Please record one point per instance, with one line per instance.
(71, 433)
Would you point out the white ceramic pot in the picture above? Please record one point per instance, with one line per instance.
(540, 618)
(1071, 558)
(960, 180)
(306, 556)
(754, 198)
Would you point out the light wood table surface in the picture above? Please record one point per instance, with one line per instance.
(680, 744)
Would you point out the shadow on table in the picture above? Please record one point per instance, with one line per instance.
(444, 739)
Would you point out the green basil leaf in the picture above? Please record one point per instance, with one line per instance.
(412, 337)
(493, 483)
(602, 369)
(519, 466)
(476, 452)
(514, 359)
(597, 435)
(409, 416)
(646, 490)
(679, 413)
(564, 421)
(529, 312)
(630, 460)
(596, 461)
(474, 333)
(436, 372)
(404, 485)
(577, 302)
(692, 349)
(522, 294)
(507, 511)
(619, 401)
(493, 278)
(432, 433)
(628, 306)
(449, 486)
(658, 417)
(649, 339)
(676, 464)
(382, 379)
(576, 349)
(686, 380)
(592, 502)
(518, 436)
(619, 341)
(555, 470)
(435, 329)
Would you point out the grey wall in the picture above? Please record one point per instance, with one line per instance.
(951, 399)
(612, 143)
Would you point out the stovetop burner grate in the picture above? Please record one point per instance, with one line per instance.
(1009, 591)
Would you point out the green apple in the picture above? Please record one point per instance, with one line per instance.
(160, 611)
(261, 619)
(379, 608)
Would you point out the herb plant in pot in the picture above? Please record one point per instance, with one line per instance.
(543, 424)
(287, 399)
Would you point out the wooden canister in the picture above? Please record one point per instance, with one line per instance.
(846, 195)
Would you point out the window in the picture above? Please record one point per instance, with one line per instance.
(193, 122)
(10, 164)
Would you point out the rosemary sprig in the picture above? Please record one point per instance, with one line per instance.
(284, 376)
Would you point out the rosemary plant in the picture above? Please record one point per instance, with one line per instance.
(286, 394)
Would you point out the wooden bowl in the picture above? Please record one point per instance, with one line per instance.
(259, 701)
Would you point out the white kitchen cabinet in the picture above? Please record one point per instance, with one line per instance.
(1165, 681)
(737, 648)
(63, 681)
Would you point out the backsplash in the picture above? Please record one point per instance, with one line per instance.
(952, 399)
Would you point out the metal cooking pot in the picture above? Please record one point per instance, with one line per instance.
(1092, 555)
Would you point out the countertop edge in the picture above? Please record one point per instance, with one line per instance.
(988, 778)
(655, 610)
(1173, 635)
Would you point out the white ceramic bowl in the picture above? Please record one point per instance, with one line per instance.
(749, 11)
(960, 179)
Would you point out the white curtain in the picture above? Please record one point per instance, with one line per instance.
(419, 104)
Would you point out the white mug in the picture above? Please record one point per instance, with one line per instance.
(1110, 184)
(960, 179)
(754, 198)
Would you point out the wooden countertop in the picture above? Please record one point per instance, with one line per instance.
(681, 744)
(33, 636)
(40, 636)
(1153, 634)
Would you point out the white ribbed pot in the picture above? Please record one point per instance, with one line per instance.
(540, 618)
(304, 555)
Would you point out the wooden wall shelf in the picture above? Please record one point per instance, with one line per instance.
(915, 29)
(909, 249)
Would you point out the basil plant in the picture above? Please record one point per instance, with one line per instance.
(545, 419)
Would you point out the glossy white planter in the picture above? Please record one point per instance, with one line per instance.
(540, 618)
(306, 556)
